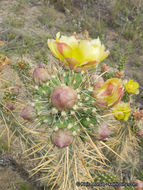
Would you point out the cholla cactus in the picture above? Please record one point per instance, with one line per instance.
(78, 115)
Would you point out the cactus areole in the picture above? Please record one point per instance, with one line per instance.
(63, 98)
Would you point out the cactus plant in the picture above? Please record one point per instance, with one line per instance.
(79, 118)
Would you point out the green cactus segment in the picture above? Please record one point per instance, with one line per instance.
(109, 180)
(105, 177)
(122, 63)
(82, 113)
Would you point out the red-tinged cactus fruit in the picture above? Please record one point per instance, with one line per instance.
(137, 115)
(103, 132)
(63, 97)
(28, 113)
(141, 113)
(140, 133)
(104, 68)
(62, 138)
(119, 74)
(97, 83)
(10, 106)
(40, 75)
(139, 184)
(41, 65)
(15, 90)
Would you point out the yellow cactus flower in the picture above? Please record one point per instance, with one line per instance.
(109, 93)
(122, 111)
(132, 87)
(77, 53)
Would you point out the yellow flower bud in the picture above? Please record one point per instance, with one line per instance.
(132, 87)
(121, 111)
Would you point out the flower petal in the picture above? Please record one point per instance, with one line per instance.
(78, 53)
(86, 52)
(64, 49)
(90, 63)
(53, 47)
(72, 62)
(122, 111)
(111, 91)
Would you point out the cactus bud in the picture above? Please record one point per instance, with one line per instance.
(10, 106)
(137, 116)
(104, 68)
(63, 97)
(139, 184)
(62, 138)
(40, 75)
(15, 90)
(103, 132)
(141, 113)
(98, 83)
(140, 133)
(119, 74)
(42, 65)
(28, 113)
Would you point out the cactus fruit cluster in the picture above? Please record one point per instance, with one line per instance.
(81, 117)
